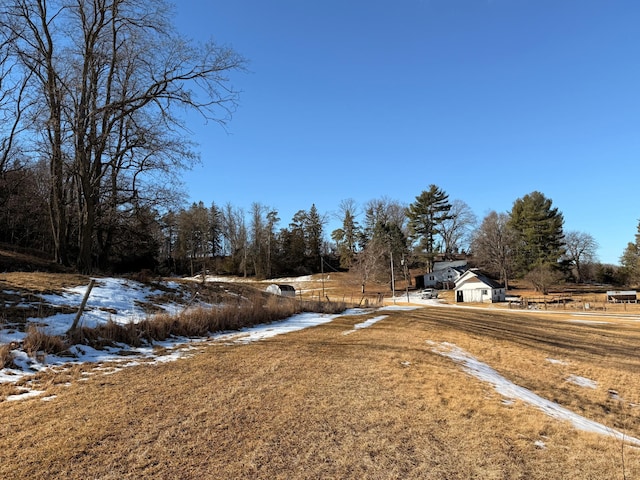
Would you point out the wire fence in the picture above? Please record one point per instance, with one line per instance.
(594, 302)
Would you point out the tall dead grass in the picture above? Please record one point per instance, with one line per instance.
(197, 322)
(38, 342)
(6, 358)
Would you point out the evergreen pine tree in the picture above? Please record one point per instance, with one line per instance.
(426, 216)
(538, 230)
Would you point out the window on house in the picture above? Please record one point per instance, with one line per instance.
(484, 292)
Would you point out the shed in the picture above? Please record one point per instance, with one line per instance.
(475, 286)
(622, 296)
(282, 290)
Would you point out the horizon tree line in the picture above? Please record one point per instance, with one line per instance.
(92, 144)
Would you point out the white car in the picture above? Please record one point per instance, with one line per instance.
(429, 293)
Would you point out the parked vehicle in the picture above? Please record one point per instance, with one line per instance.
(429, 293)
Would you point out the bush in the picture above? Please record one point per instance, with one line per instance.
(37, 341)
(6, 357)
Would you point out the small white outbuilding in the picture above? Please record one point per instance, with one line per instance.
(282, 290)
(474, 286)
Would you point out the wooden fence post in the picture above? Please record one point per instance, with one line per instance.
(82, 305)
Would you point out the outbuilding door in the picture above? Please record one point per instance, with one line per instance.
(459, 296)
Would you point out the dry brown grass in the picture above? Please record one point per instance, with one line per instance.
(377, 403)
(6, 359)
(38, 342)
(40, 282)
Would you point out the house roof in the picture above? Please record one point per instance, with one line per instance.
(474, 272)
(443, 265)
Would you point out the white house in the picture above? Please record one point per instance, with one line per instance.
(473, 286)
(444, 274)
(282, 290)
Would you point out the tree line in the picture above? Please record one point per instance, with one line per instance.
(386, 239)
(92, 143)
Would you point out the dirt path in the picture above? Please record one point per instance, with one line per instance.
(320, 403)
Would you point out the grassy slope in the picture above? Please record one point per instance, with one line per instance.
(319, 404)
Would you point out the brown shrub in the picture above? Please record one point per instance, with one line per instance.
(39, 341)
(6, 357)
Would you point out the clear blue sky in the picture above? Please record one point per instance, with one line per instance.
(488, 99)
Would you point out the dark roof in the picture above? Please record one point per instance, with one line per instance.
(489, 281)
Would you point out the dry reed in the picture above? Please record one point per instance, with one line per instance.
(6, 357)
(38, 342)
(199, 322)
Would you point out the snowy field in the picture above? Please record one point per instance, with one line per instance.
(119, 300)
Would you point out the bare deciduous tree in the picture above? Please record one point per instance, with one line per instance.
(108, 76)
(543, 276)
(457, 229)
(492, 245)
(580, 251)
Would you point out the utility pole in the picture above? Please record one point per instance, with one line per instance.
(322, 273)
(406, 283)
(393, 280)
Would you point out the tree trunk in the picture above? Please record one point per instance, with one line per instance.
(85, 251)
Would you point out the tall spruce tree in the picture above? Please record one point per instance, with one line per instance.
(426, 216)
(538, 232)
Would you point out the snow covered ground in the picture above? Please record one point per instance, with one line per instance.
(120, 300)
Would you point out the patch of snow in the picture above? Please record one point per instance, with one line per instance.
(369, 322)
(540, 444)
(508, 389)
(365, 324)
(303, 278)
(261, 332)
(10, 335)
(557, 362)
(231, 279)
(398, 308)
(25, 395)
(589, 322)
(582, 381)
(416, 298)
(115, 299)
